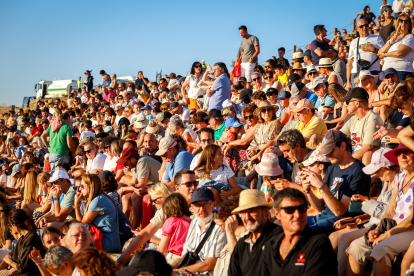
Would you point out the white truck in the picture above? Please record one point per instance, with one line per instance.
(55, 89)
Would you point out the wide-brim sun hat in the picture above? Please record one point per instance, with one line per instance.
(251, 198)
(378, 161)
(392, 154)
(269, 165)
(310, 69)
(264, 104)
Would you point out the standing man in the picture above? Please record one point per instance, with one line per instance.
(298, 249)
(367, 46)
(320, 47)
(221, 88)
(247, 255)
(251, 49)
(60, 142)
(141, 80)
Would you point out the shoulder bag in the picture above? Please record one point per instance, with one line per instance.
(363, 64)
(191, 258)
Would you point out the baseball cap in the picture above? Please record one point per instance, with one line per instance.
(227, 103)
(127, 153)
(330, 139)
(378, 161)
(16, 169)
(147, 107)
(271, 91)
(61, 174)
(293, 78)
(296, 88)
(238, 86)
(364, 73)
(202, 194)
(318, 80)
(356, 93)
(87, 139)
(307, 53)
(390, 71)
(173, 106)
(166, 143)
(108, 129)
(231, 122)
(302, 104)
(147, 261)
(284, 95)
(214, 113)
(164, 115)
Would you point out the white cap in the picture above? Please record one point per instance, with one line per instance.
(364, 73)
(59, 175)
(227, 103)
(378, 161)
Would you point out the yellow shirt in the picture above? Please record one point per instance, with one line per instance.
(283, 79)
(315, 126)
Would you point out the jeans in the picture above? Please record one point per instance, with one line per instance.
(56, 159)
(323, 222)
(403, 74)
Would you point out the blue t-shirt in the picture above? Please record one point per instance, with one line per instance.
(181, 161)
(311, 97)
(314, 45)
(106, 222)
(20, 150)
(325, 102)
(222, 88)
(239, 108)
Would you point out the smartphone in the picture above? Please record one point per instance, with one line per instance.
(301, 166)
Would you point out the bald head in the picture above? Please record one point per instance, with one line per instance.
(362, 28)
(150, 142)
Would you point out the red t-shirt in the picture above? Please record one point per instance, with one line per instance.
(36, 130)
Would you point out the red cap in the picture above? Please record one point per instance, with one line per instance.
(126, 154)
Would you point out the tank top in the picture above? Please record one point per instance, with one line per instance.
(386, 31)
(403, 202)
(340, 81)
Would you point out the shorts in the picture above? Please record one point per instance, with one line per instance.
(247, 70)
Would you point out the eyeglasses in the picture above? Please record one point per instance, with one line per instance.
(99, 140)
(363, 26)
(264, 110)
(255, 79)
(190, 184)
(292, 209)
(350, 101)
(404, 21)
(153, 201)
(88, 151)
(313, 73)
(250, 117)
(405, 152)
(205, 140)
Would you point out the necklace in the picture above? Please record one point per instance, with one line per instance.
(401, 190)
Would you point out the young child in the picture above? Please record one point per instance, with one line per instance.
(175, 228)
(79, 157)
(47, 167)
(147, 111)
(232, 129)
(270, 170)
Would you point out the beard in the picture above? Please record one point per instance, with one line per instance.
(204, 220)
(252, 228)
(391, 86)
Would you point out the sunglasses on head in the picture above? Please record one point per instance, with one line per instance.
(87, 151)
(406, 21)
(292, 209)
(190, 184)
(248, 117)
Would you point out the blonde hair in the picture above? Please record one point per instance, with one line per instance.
(160, 190)
(30, 188)
(95, 187)
(43, 177)
(116, 147)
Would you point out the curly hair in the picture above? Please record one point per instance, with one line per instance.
(199, 117)
(94, 262)
(226, 207)
(248, 108)
(175, 205)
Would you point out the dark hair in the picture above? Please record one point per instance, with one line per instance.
(133, 143)
(181, 143)
(179, 175)
(50, 230)
(199, 117)
(272, 62)
(288, 193)
(347, 143)
(291, 137)
(192, 72)
(282, 49)
(64, 116)
(208, 130)
(366, 7)
(110, 186)
(279, 67)
(226, 207)
(175, 205)
(19, 218)
(87, 124)
(223, 66)
(242, 27)
(318, 28)
(64, 166)
(259, 95)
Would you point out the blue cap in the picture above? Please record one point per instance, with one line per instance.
(108, 129)
(146, 107)
(202, 194)
(229, 122)
(390, 71)
(307, 53)
(283, 95)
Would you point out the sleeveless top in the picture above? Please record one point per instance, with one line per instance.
(367, 16)
(386, 31)
(340, 81)
(403, 202)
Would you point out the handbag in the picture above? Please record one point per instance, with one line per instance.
(363, 64)
(385, 225)
(351, 222)
(191, 258)
(355, 207)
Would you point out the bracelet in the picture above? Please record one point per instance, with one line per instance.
(320, 188)
(76, 206)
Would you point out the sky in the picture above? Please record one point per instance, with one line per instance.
(61, 39)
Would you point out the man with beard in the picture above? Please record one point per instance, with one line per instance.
(202, 204)
(253, 209)
(387, 90)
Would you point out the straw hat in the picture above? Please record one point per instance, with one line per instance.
(298, 66)
(264, 104)
(325, 62)
(269, 166)
(251, 198)
(152, 126)
(310, 69)
(297, 55)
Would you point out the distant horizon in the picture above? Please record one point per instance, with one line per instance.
(59, 40)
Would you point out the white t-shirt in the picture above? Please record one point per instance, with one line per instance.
(376, 41)
(398, 6)
(194, 91)
(404, 63)
(86, 134)
(222, 174)
(110, 164)
(340, 82)
(97, 163)
(264, 87)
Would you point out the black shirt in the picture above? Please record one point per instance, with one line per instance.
(248, 262)
(283, 61)
(311, 255)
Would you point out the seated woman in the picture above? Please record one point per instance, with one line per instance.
(387, 245)
(18, 259)
(110, 161)
(341, 115)
(176, 126)
(46, 195)
(100, 211)
(215, 175)
(31, 187)
(103, 263)
(175, 228)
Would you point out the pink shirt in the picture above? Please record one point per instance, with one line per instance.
(177, 229)
(108, 96)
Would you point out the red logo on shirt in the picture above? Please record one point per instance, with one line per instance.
(301, 258)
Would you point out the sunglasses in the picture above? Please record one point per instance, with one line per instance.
(255, 79)
(88, 151)
(190, 184)
(98, 140)
(248, 117)
(404, 21)
(264, 110)
(205, 140)
(108, 147)
(57, 180)
(292, 209)
(388, 10)
(405, 152)
(267, 77)
(313, 73)
(226, 114)
(164, 109)
(197, 66)
(350, 101)
(363, 26)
